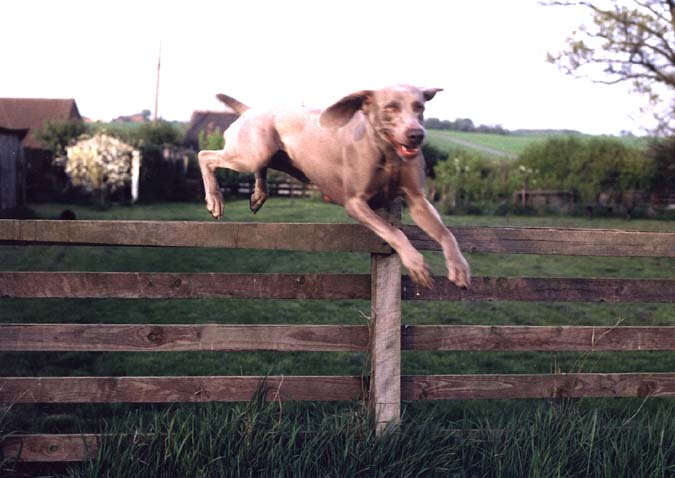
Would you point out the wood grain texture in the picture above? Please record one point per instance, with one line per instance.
(546, 289)
(239, 235)
(537, 338)
(335, 237)
(50, 448)
(385, 330)
(326, 338)
(385, 391)
(177, 389)
(181, 338)
(135, 285)
(573, 242)
(464, 387)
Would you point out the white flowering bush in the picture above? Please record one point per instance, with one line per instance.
(100, 164)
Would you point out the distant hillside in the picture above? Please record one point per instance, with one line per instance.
(546, 132)
(510, 145)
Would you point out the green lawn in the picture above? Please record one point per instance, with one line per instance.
(323, 312)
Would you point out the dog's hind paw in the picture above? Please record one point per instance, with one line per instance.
(256, 202)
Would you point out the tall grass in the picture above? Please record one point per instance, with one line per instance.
(261, 439)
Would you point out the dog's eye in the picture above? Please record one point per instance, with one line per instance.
(392, 108)
(418, 108)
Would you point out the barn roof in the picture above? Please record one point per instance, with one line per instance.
(31, 114)
(207, 121)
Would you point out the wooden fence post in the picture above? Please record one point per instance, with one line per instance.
(385, 340)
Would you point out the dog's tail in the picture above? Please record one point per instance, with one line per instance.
(238, 107)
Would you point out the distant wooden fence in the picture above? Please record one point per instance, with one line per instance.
(275, 188)
(384, 287)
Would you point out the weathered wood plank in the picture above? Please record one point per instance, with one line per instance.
(574, 242)
(385, 344)
(240, 235)
(334, 237)
(537, 338)
(50, 448)
(133, 285)
(546, 289)
(178, 389)
(326, 338)
(181, 338)
(465, 387)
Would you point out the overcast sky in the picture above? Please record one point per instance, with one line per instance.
(488, 55)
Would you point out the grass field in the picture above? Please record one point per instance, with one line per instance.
(513, 144)
(64, 418)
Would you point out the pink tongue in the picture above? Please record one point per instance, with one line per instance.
(407, 152)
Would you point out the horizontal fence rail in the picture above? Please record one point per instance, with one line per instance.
(182, 338)
(232, 235)
(140, 285)
(578, 385)
(143, 285)
(187, 389)
(334, 237)
(560, 241)
(327, 338)
(194, 389)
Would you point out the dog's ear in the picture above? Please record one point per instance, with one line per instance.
(429, 93)
(340, 113)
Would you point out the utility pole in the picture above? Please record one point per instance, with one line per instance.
(159, 63)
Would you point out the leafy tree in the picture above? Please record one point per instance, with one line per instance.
(158, 134)
(213, 140)
(588, 167)
(662, 153)
(468, 177)
(100, 164)
(631, 41)
(56, 135)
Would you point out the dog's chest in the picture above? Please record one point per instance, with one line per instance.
(385, 183)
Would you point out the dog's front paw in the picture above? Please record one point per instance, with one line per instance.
(459, 272)
(418, 269)
(214, 204)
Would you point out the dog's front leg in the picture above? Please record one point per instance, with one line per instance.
(428, 219)
(412, 260)
(208, 162)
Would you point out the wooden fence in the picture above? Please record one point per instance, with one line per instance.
(384, 287)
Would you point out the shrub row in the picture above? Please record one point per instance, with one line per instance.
(599, 173)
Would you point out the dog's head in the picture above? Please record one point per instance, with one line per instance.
(395, 113)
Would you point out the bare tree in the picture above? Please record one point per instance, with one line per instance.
(628, 41)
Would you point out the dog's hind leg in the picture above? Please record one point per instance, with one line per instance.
(208, 162)
(259, 195)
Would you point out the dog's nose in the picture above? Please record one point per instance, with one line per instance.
(415, 136)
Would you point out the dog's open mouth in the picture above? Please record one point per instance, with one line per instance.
(406, 152)
(403, 150)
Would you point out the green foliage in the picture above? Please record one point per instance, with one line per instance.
(56, 135)
(162, 133)
(468, 177)
(588, 167)
(156, 134)
(214, 140)
(662, 154)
